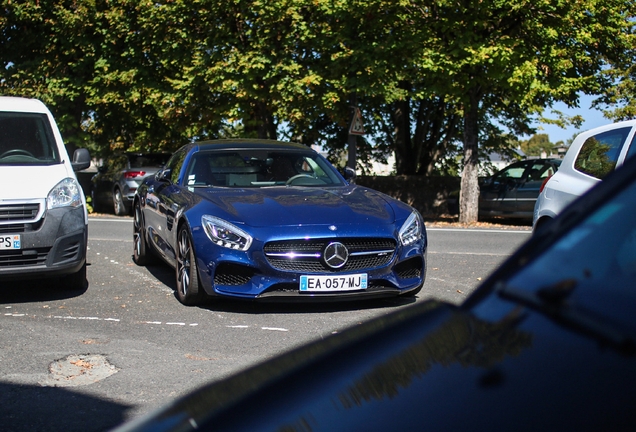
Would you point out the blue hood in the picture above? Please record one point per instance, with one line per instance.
(314, 206)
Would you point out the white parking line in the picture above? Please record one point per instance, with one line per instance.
(274, 329)
(92, 318)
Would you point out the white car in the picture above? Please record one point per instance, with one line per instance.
(592, 156)
(43, 218)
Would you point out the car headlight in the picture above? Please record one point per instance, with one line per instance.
(411, 230)
(66, 193)
(225, 234)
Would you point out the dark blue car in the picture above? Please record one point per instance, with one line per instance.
(267, 220)
(546, 343)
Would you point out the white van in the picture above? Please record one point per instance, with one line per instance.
(43, 218)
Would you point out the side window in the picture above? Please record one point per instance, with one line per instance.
(116, 164)
(513, 172)
(539, 172)
(175, 163)
(599, 153)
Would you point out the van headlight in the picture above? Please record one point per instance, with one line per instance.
(223, 233)
(66, 193)
(411, 230)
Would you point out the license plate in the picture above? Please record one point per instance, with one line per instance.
(10, 241)
(333, 283)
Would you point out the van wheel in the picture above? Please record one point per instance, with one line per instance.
(118, 203)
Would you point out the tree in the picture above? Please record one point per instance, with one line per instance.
(622, 95)
(427, 75)
(537, 144)
(505, 60)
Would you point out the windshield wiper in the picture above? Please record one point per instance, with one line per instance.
(551, 301)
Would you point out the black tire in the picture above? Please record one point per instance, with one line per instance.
(119, 206)
(75, 281)
(542, 224)
(188, 290)
(141, 254)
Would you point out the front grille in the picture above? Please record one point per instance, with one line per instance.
(21, 227)
(306, 256)
(23, 258)
(17, 213)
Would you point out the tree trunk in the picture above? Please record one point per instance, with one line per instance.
(469, 193)
(405, 160)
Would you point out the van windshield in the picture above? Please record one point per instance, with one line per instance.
(27, 139)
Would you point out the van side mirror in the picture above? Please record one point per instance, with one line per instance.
(81, 159)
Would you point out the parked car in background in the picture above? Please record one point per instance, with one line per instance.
(268, 220)
(591, 157)
(512, 191)
(118, 178)
(546, 343)
(43, 218)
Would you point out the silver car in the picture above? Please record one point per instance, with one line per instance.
(592, 156)
(118, 178)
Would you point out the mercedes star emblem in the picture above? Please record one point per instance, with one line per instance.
(336, 255)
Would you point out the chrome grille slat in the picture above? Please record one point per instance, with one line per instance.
(17, 213)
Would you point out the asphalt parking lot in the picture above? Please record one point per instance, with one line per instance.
(72, 361)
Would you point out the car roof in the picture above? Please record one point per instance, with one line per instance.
(249, 143)
(19, 104)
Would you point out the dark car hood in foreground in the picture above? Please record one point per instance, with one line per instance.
(260, 207)
(427, 367)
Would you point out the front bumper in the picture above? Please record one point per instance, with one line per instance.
(254, 276)
(55, 245)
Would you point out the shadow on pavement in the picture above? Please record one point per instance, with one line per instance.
(33, 409)
(29, 291)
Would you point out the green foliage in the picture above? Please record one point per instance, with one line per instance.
(537, 144)
(434, 79)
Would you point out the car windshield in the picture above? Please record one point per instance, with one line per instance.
(260, 168)
(593, 267)
(26, 139)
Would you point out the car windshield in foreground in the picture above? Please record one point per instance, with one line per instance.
(26, 139)
(260, 168)
(590, 272)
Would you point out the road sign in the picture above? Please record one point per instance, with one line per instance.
(356, 128)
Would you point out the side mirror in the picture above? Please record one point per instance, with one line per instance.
(485, 181)
(81, 159)
(350, 174)
(164, 175)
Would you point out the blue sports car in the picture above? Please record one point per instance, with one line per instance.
(269, 220)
